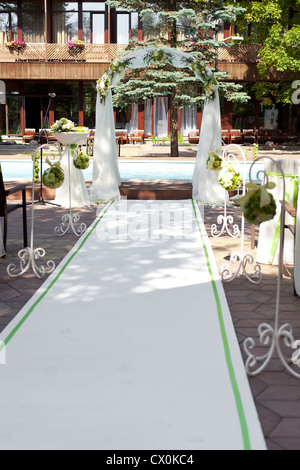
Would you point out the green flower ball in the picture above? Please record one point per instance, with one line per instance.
(53, 177)
(255, 214)
(81, 162)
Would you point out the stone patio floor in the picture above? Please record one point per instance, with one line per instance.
(275, 391)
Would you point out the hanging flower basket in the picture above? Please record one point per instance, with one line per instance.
(214, 162)
(76, 45)
(18, 46)
(54, 176)
(258, 205)
(229, 178)
(81, 161)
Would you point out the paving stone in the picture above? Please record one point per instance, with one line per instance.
(287, 428)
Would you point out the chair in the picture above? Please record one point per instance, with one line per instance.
(248, 136)
(137, 136)
(122, 134)
(90, 143)
(225, 136)
(6, 209)
(235, 136)
(29, 135)
(193, 137)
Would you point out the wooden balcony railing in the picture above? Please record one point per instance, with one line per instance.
(61, 53)
(105, 53)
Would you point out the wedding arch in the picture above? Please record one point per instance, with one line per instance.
(106, 175)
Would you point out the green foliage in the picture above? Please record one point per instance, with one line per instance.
(275, 24)
(162, 21)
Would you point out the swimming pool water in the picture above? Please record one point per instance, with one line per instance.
(143, 170)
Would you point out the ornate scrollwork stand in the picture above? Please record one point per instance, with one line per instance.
(244, 259)
(224, 219)
(270, 336)
(69, 220)
(28, 256)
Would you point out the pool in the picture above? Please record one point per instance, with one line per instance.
(141, 170)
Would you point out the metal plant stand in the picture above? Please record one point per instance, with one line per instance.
(273, 336)
(69, 220)
(224, 219)
(30, 255)
(243, 259)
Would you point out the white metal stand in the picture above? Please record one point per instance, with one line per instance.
(28, 256)
(270, 336)
(69, 220)
(244, 259)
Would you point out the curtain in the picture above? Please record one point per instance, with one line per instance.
(133, 124)
(148, 117)
(160, 117)
(188, 120)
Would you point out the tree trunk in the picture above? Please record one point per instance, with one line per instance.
(174, 126)
(173, 109)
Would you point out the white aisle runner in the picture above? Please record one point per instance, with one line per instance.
(129, 344)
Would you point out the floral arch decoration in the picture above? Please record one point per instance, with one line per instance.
(106, 176)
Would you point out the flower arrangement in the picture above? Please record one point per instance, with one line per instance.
(82, 129)
(54, 176)
(214, 161)
(210, 87)
(81, 161)
(229, 178)
(63, 125)
(103, 86)
(16, 45)
(76, 45)
(198, 66)
(258, 205)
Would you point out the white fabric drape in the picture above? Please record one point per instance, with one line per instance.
(106, 176)
(206, 188)
(148, 117)
(188, 120)
(79, 193)
(297, 245)
(160, 116)
(267, 230)
(2, 252)
(133, 124)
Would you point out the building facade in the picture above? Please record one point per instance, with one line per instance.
(47, 64)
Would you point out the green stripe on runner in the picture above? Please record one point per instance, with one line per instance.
(18, 326)
(241, 413)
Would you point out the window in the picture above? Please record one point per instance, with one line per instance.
(33, 21)
(65, 21)
(122, 26)
(8, 22)
(93, 22)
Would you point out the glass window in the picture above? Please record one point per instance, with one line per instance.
(65, 27)
(8, 6)
(66, 101)
(122, 29)
(97, 6)
(64, 6)
(33, 5)
(33, 26)
(89, 104)
(14, 109)
(134, 25)
(8, 27)
(98, 28)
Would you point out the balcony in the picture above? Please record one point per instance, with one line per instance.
(100, 53)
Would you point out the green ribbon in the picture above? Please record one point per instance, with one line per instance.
(292, 186)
